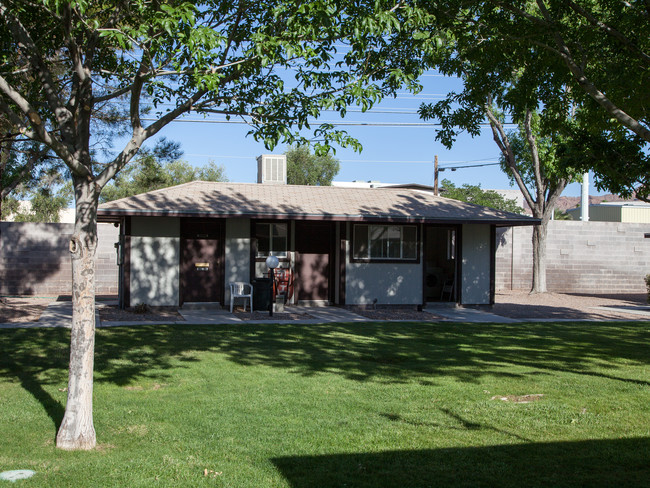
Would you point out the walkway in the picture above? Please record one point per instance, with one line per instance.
(59, 314)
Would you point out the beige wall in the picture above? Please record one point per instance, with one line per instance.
(583, 257)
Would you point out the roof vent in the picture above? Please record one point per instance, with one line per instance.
(272, 169)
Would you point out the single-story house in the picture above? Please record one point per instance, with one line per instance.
(338, 246)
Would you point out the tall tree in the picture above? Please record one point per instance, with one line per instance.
(478, 196)
(530, 160)
(305, 168)
(591, 57)
(158, 168)
(269, 61)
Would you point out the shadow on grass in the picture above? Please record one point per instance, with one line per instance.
(382, 352)
(594, 463)
(385, 352)
(37, 358)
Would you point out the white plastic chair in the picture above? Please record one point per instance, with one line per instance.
(239, 289)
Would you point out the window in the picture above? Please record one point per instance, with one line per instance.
(385, 242)
(272, 239)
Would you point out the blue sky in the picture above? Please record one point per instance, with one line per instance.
(390, 154)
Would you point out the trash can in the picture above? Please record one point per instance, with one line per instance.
(261, 293)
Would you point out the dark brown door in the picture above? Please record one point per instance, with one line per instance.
(314, 242)
(202, 261)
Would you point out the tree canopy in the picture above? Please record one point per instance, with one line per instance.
(305, 168)
(478, 196)
(584, 62)
(158, 168)
(275, 64)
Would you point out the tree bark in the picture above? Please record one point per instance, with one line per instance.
(539, 256)
(77, 430)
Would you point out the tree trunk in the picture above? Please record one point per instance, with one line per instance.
(77, 430)
(539, 257)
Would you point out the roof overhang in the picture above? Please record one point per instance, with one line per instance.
(115, 215)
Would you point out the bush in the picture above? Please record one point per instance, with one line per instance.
(144, 308)
(647, 284)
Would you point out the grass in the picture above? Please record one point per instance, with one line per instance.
(362, 405)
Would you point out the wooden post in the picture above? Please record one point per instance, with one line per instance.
(435, 175)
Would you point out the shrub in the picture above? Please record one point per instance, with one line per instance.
(141, 308)
(647, 284)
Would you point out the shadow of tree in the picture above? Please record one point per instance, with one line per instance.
(379, 352)
(511, 308)
(593, 463)
(37, 358)
(31, 254)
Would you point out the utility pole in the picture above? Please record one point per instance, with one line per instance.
(435, 175)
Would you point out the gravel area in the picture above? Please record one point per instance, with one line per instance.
(397, 314)
(258, 315)
(22, 309)
(111, 313)
(522, 305)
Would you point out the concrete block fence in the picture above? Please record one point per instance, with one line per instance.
(35, 259)
(582, 257)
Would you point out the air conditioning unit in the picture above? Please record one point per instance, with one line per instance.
(272, 169)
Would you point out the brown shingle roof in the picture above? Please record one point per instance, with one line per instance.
(209, 199)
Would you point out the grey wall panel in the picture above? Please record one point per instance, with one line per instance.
(475, 267)
(238, 249)
(155, 270)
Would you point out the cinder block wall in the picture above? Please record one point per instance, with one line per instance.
(582, 257)
(35, 260)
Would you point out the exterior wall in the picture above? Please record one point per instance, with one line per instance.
(154, 261)
(582, 257)
(389, 283)
(636, 214)
(35, 260)
(475, 266)
(238, 249)
(639, 214)
(599, 213)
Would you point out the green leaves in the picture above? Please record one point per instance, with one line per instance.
(304, 168)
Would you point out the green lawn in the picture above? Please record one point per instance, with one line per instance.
(372, 405)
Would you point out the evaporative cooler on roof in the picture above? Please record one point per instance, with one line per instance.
(272, 169)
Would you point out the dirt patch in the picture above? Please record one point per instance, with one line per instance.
(522, 305)
(397, 314)
(112, 313)
(519, 398)
(23, 309)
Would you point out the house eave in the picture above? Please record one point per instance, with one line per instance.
(115, 215)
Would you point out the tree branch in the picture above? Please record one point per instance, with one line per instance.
(609, 30)
(40, 134)
(540, 184)
(36, 60)
(580, 77)
(501, 138)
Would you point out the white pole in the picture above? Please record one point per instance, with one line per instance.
(584, 202)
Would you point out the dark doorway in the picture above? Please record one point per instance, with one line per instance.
(314, 244)
(440, 263)
(201, 261)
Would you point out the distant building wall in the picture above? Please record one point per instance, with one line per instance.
(582, 257)
(609, 212)
(35, 259)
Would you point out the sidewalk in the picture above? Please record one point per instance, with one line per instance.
(59, 314)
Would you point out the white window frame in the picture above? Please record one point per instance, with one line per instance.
(369, 248)
(279, 254)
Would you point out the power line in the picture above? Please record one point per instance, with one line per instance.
(331, 122)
